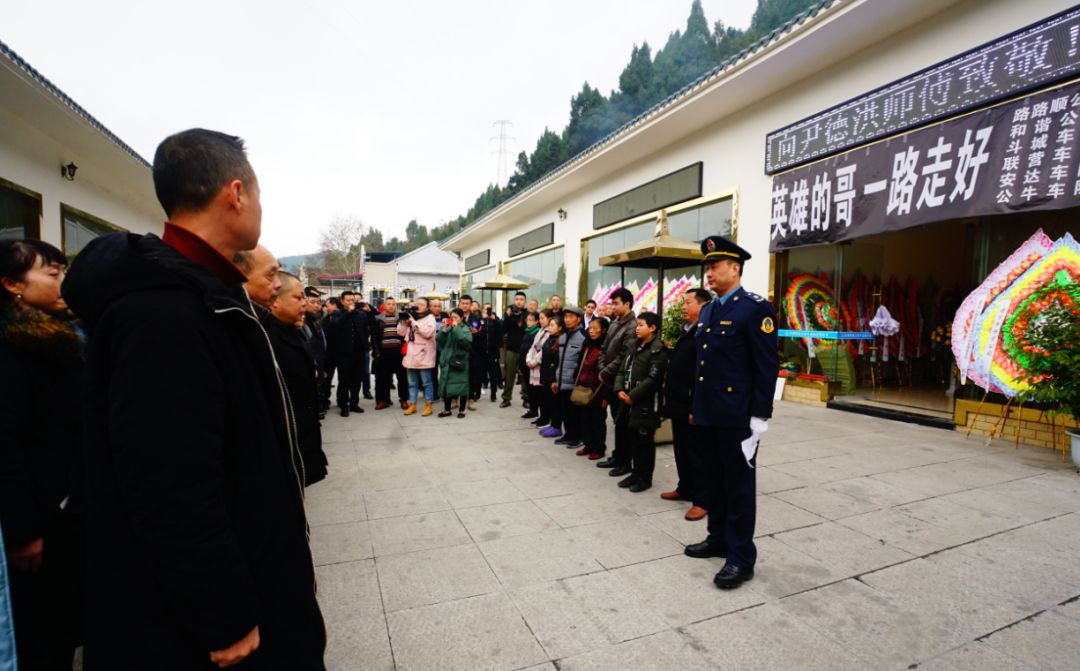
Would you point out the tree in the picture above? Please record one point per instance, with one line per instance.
(339, 245)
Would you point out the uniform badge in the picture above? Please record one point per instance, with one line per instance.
(767, 325)
(710, 245)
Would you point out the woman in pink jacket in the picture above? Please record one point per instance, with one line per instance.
(417, 327)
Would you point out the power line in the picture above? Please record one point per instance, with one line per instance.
(503, 152)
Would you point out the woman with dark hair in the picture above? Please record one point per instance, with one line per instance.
(528, 335)
(549, 378)
(40, 460)
(534, 359)
(454, 340)
(594, 415)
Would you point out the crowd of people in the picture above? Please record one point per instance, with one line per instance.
(158, 513)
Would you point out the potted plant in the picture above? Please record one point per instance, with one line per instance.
(1049, 347)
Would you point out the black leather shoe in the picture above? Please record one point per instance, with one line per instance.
(618, 471)
(344, 411)
(704, 550)
(640, 486)
(606, 463)
(627, 481)
(355, 408)
(732, 576)
(368, 396)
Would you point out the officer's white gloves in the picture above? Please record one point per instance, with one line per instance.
(758, 426)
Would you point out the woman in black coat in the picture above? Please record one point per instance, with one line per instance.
(40, 463)
(283, 325)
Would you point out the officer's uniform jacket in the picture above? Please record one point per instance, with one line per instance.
(737, 363)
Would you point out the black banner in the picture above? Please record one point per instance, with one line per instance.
(1017, 156)
(1032, 57)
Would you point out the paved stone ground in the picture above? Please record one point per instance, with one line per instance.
(475, 544)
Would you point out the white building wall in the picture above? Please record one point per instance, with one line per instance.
(32, 160)
(733, 148)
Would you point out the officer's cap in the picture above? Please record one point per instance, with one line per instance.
(312, 292)
(717, 247)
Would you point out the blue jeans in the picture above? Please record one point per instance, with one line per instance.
(415, 376)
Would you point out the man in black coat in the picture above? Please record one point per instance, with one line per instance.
(678, 393)
(284, 322)
(513, 327)
(347, 342)
(197, 541)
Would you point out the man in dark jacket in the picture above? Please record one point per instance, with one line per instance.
(678, 391)
(197, 545)
(513, 327)
(619, 335)
(283, 323)
(347, 342)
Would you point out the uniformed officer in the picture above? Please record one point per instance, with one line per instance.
(735, 379)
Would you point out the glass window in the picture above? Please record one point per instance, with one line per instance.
(545, 272)
(20, 213)
(694, 225)
(472, 279)
(80, 228)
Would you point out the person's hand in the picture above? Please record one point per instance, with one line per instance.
(237, 652)
(691, 418)
(554, 387)
(603, 404)
(27, 557)
(625, 398)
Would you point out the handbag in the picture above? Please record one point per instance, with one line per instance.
(458, 362)
(580, 394)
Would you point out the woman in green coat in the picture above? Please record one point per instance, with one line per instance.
(454, 341)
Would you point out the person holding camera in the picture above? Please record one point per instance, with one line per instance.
(417, 327)
(386, 355)
(513, 327)
(454, 340)
(491, 334)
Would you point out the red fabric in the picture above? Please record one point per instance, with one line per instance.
(195, 249)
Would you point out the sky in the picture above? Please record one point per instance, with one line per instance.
(383, 111)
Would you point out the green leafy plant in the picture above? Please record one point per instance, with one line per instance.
(1051, 341)
(673, 322)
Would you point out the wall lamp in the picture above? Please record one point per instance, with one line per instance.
(562, 214)
(68, 171)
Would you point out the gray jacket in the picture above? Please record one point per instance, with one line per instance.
(571, 345)
(619, 334)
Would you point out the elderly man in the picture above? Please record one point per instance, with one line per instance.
(199, 553)
(678, 394)
(261, 269)
(299, 371)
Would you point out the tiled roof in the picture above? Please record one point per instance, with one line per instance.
(64, 98)
(706, 78)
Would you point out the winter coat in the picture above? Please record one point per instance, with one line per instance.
(641, 375)
(316, 339)
(195, 514)
(570, 347)
(513, 327)
(534, 356)
(619, 333)
(590, 372)
(420, 335)
(453, 342)
(549, 360)
(301, 381)
(491, 331)
(40, 442)
(347, 334)
(679, 379)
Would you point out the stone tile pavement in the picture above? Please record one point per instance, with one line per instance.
(475, 544)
